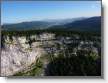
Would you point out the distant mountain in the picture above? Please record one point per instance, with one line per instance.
(88, 24)
(63, 21)
(76, 24)
(27, 25)
(33, 25)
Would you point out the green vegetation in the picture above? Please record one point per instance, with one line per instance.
(61, 32)
(84, 63)
(74, 66)
(76, 50)
(35, 69)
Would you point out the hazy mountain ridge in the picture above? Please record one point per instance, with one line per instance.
(80, 24)
(88, 24)
(33, 25)
(64, 21)
(27, 25)
(92, 24)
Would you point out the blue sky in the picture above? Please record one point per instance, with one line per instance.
(20, 11)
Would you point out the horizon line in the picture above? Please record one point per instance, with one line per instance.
(48, 19)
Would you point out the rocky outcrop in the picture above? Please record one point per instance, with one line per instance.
(17, 55)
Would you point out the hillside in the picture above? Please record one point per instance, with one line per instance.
(88, 24)
(75, 24)
(27, 25)
(38, 25)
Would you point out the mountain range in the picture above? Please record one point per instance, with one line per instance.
(87, 24)
(80, 24)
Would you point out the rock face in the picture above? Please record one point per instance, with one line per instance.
(17, 55)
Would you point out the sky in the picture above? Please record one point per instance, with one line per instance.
(21, 11)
